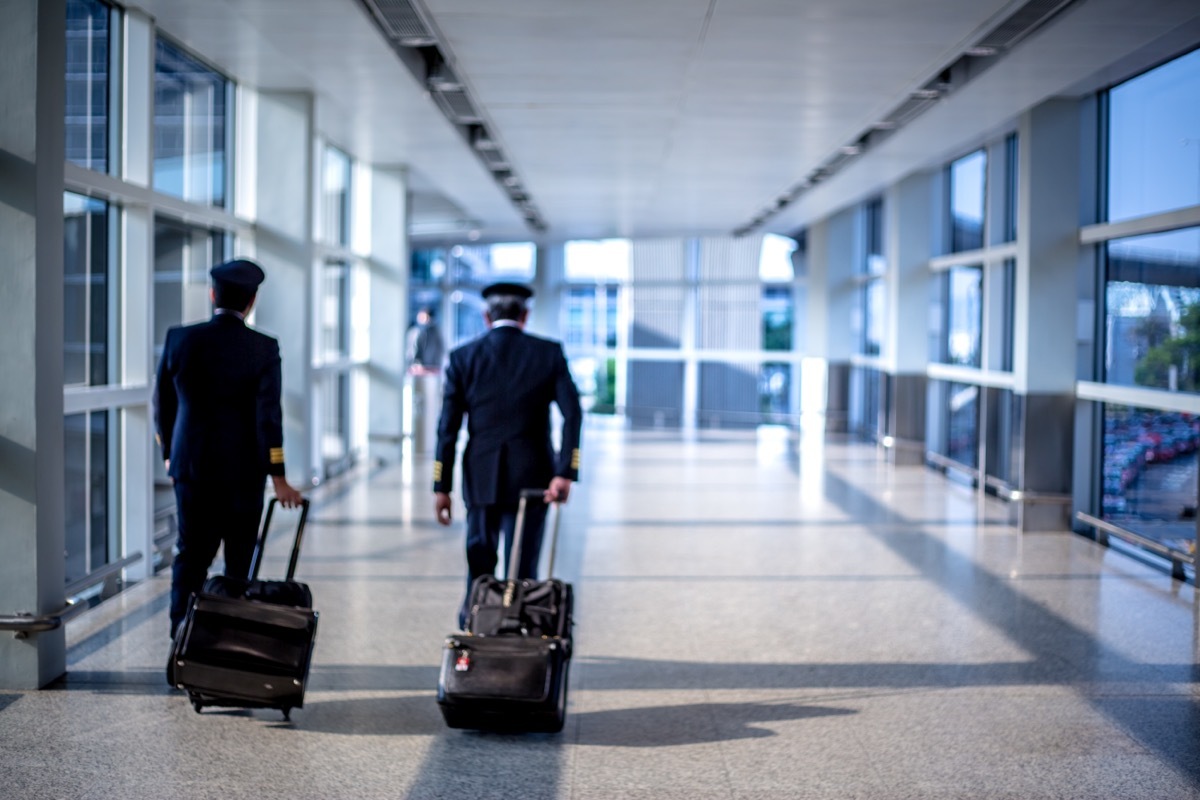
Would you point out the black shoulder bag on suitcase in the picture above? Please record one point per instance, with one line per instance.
(248, 643)
(508, 671)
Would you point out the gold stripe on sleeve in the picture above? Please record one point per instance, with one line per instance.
(575, 458)
(437, 471)
(276, 455)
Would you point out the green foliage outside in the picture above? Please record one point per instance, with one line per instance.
(606, 388)
(1166, 351)
(777, 332)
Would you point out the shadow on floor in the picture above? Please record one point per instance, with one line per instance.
(7, 700)
(698, 723)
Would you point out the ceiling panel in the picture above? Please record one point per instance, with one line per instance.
(660, 117)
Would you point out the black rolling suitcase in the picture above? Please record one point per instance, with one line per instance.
(248, 643)
(508, 671)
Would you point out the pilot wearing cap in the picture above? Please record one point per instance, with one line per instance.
(504, 383)
(220, 426)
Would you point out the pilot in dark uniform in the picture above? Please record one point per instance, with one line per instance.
(220, 426)
(504, 383)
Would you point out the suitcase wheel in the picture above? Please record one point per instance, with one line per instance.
(287, 714)
(196, 704)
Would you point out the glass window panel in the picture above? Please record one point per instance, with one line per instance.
(478, 265)
(1153, 146)
(335, 197)
(873, 315)
(182, 257)
(967, 193)
(1152, 303)
(190, 118)
(1149, 474)
(1011, 187)
(603, 260)
(873, 263)
(98, 500)
(777, 313)
(75, 490)
(962, 413)
(86, 291)
(964, 329)
(775, 392)
(335, 311)
(1007, 321)
(775, 259)
(428, 266)
(87, 83)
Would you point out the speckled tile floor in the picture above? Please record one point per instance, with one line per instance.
(757, 617)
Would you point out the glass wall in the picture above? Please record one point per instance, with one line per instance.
(89, 44)
(91, 450)
(1150, 332)
(89, 293)
(335, 197)
(968, 184)
(964, 316)
(1153, 162)
(872, 291)
(1149, 473)
(1152, 304)
(183, 255)
(191, 103)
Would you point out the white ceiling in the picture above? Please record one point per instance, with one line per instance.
(666, 117)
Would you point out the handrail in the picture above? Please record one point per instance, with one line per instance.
(24, 624)
(1143, 541)
(101, 574)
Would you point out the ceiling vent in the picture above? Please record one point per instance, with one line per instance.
(1027, 19)
(415, 40)
(401, 22)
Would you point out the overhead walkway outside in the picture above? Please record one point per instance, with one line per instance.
(758, 616)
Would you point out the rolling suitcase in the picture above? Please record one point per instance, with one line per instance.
(508, 671)
(248, 643)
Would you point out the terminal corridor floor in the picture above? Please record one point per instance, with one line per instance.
(757, 616)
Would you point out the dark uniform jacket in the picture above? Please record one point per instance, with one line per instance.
(216, 403)
(504, 382)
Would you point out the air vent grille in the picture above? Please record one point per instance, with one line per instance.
(1023, 22)
(399, 19)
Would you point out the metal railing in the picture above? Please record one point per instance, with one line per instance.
(1104, 529)
(24, 623)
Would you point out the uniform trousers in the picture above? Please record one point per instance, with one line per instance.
(485, 524)
(209, 515)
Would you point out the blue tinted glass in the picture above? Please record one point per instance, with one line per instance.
(964, 332)
(962, 410)
(1152, 304)
(189, 127)
(967, 184)
(87, 84)
(85, 291)
(1153, 145)
(1149, 474)
(777, 305)
(873, 317)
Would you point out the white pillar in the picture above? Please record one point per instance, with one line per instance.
(1045, 327)
(908, 209)
(139, 455)
(389, 311)
(284, 185)
(832, 294)
(32, 568)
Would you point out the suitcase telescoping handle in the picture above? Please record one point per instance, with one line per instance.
(514, 559)
(262, 539)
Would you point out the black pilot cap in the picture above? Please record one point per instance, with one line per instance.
(239, 272)
(507, 290)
